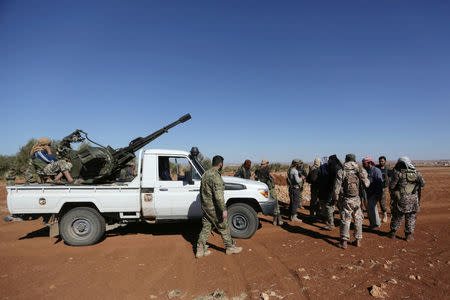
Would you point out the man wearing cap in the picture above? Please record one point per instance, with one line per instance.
(295, 181)
(244, 171)
(346, 193)
(263, 174)
(374, 191)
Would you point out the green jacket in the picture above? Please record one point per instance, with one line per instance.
(212, 190)
(263, 175)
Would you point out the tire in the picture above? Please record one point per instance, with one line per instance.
(82, 226)
(243, 221)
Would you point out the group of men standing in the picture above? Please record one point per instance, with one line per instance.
(350, 187)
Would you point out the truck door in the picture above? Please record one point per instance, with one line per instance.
(175, 197)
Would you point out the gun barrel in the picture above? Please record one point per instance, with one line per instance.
(140, 142)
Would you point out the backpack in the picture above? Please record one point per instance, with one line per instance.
(350, 183)
(411, 178)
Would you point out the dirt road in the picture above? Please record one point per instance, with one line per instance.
(294, 262)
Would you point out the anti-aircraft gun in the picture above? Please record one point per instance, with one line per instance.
(103, 164)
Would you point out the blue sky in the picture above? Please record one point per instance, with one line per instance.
(260, 78)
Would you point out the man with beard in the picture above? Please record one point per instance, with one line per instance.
(263, 174)
(214, 210)
(327, 178)
(374, 191)
(346, 192)
(244, 171)
(385, 172)
(295, 178)
(404, 187)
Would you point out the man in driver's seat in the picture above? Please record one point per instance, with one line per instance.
(164, 168)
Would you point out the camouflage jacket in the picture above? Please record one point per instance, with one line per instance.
(243, 173)
(405, 191)
(263, 175)
(212, 194)
(338, 185)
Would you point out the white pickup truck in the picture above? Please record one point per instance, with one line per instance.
(166, 188)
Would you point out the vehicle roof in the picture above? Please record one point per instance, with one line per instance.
(165, 152)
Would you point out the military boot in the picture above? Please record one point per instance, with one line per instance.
(280, 221)
(391, 234)
(409, 237)
(294, 218)
(343, 244)
(275, 220)
(385, 218)
(202, 251)
(233, 250)
(329, 226)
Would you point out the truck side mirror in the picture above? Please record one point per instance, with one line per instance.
(188, 177)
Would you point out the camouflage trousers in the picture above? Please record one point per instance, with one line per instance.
(56, 167)
(222, 227)
(273, 195)
(383, 201)
(397, 220)
(350, 208)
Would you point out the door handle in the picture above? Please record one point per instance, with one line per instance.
(163, 190)
(194, 190)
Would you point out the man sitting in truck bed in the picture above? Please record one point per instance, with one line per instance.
(47, 165)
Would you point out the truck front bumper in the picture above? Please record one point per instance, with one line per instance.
(268, 207)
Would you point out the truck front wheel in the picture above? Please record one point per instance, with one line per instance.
(243, 220)
(82, 226)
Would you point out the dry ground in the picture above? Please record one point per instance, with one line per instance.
(297, 261)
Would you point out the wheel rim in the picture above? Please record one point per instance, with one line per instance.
(239, 222)
(81, 227)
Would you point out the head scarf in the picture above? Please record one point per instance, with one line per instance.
(407, 162)
(316, 163)
(40, 145)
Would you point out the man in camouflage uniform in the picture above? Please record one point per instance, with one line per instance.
(10, 177)
(214, 210)
(263, 174)
(346, 193)
(385, 172)
(129, 172)
(244, 171)
(405, 187)
(27, 173)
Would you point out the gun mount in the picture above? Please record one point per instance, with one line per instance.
(103, 164)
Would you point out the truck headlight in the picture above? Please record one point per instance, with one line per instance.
(265, 193)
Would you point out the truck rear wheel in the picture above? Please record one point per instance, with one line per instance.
(82, 226)
(243, 220)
